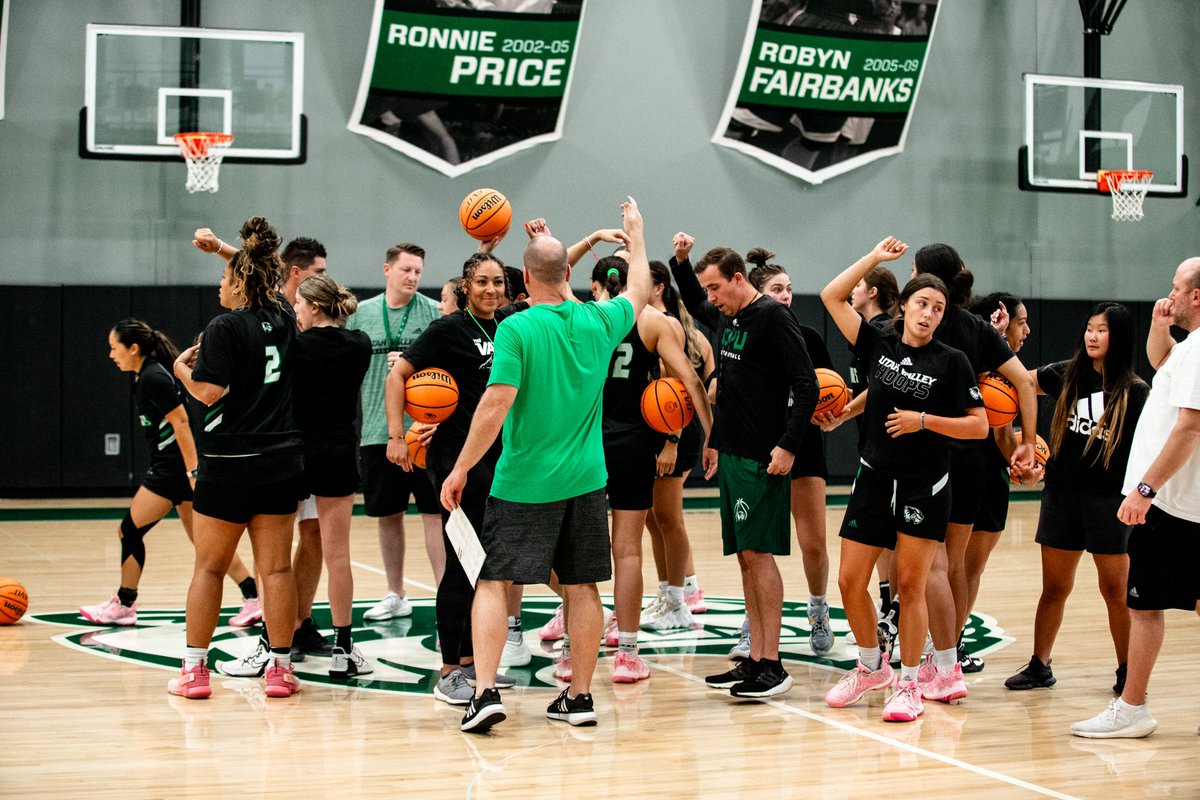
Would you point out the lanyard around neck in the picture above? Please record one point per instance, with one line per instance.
(387, 328)
(477, 325)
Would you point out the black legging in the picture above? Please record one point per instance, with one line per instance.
(455, 593)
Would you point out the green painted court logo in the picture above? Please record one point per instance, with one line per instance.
(404, 650)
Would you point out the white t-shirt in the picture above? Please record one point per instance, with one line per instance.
(1176, 385)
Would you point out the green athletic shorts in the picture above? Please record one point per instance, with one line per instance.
(756, 508)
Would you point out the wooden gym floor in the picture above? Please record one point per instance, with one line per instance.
(87, 711)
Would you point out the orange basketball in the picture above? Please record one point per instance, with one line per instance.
(832, 394)
(1041, 452)
(485, 214)
(430, 395)
(999, 399)
(416, 450)
(14, 600)
(666, 405)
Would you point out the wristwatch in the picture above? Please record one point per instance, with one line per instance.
(1145, 491)
(194, 473)
(672, 438)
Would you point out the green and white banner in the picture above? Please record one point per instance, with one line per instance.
(456, 84)
(825, 86)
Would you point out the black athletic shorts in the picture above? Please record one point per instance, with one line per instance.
(330, 469)
(810, 460)
(524, 541)
(968, 463)
(387, 488)
(173, 484)
(993, 511)
(631, 463)
(1164, 563)
(691, 443)
(1073, 520)
(881, 506)
(239, 503)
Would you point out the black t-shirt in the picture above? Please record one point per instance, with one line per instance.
(984, 346)
(249, 436)
(935, 379)
(629, 372)
(858, 377)
(1072, 467)
(462, 345)
(157, 393)
(329, 369)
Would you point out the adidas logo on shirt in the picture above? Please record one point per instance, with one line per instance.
(907, 362)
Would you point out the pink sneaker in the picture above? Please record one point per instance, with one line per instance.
(905, 704)
(927, 671)
(281, 681)
(950, 688)
(110, 612)
(191, 683)
(857, 682)
(611, 637)
(695, 601)
(562, 670)
(553, 630)
(251, 613)
(629, 668)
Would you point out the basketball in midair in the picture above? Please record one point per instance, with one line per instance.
(485, 214)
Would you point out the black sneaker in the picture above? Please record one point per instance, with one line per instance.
(744, 670)
(1036, 675)
(771, 679)
(576, 710)
(968, 662)
(1119, 686)
(483, 712)
(309, 641)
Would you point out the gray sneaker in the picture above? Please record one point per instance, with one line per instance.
(820, 636)
(454, 689)
(251, 666)
(502, 680)
(393, 605)
(741, 650)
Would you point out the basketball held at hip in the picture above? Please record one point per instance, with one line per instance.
(430, 395)
(999, 399)
(667, 406)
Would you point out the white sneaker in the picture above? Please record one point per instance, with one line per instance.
(251, 666)
(1118, 721)
(390, 607)
(516, 652)
(741, 650)
(343, 665)
(668, 616)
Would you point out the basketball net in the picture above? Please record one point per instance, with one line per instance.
(203, 153)
(1128, 189)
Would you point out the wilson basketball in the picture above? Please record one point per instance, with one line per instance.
(14, 600)
(416, 450)
(485, 214)
(1041, 452)
(832, 394)
(666, 405)
(999, 399)
(430, 395)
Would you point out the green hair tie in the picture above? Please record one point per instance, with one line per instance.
(613, 272)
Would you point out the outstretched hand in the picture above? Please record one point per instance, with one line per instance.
(889, 249)
(634, 224)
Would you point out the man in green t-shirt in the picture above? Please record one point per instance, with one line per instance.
(394, 320)
(547, 509)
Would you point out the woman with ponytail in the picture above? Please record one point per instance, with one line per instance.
(136, 347)
(251, 454)
(331, 363)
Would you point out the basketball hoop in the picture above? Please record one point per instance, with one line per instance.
(1128, 189)
(203, 152)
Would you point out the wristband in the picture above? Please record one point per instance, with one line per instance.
(922, 420)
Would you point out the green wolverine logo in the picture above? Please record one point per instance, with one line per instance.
(404, 651)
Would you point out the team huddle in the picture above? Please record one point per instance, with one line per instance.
(548, 457)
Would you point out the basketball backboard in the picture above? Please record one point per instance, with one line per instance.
(144, 84)
(1076, 126)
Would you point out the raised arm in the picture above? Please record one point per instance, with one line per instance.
(639, 283)
(835, 293)
(612, 235)
(691, 293)
(204, 239)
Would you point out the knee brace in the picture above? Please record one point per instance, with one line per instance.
(132, 543)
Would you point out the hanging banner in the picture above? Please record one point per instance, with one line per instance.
(826, 86)
(456, 84)
(3, 51)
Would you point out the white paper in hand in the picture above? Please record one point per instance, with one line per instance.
(466, 544)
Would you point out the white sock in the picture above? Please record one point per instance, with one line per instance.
(1135, 709)
(194, 657)
(675, 593)
(909, 674)
(662, 588)
(514, 624)
(817, 600)
(944, 660)
(870, 657)
(690, 584)
(627, 642)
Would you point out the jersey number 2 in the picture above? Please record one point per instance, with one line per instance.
(273, 360)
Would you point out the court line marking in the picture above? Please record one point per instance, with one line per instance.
(919, 751)
(422, 586)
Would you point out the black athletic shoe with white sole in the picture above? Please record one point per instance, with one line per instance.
(576, 710)
(742, 671)
(969, 663)
(483, 712)
(770, 679)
